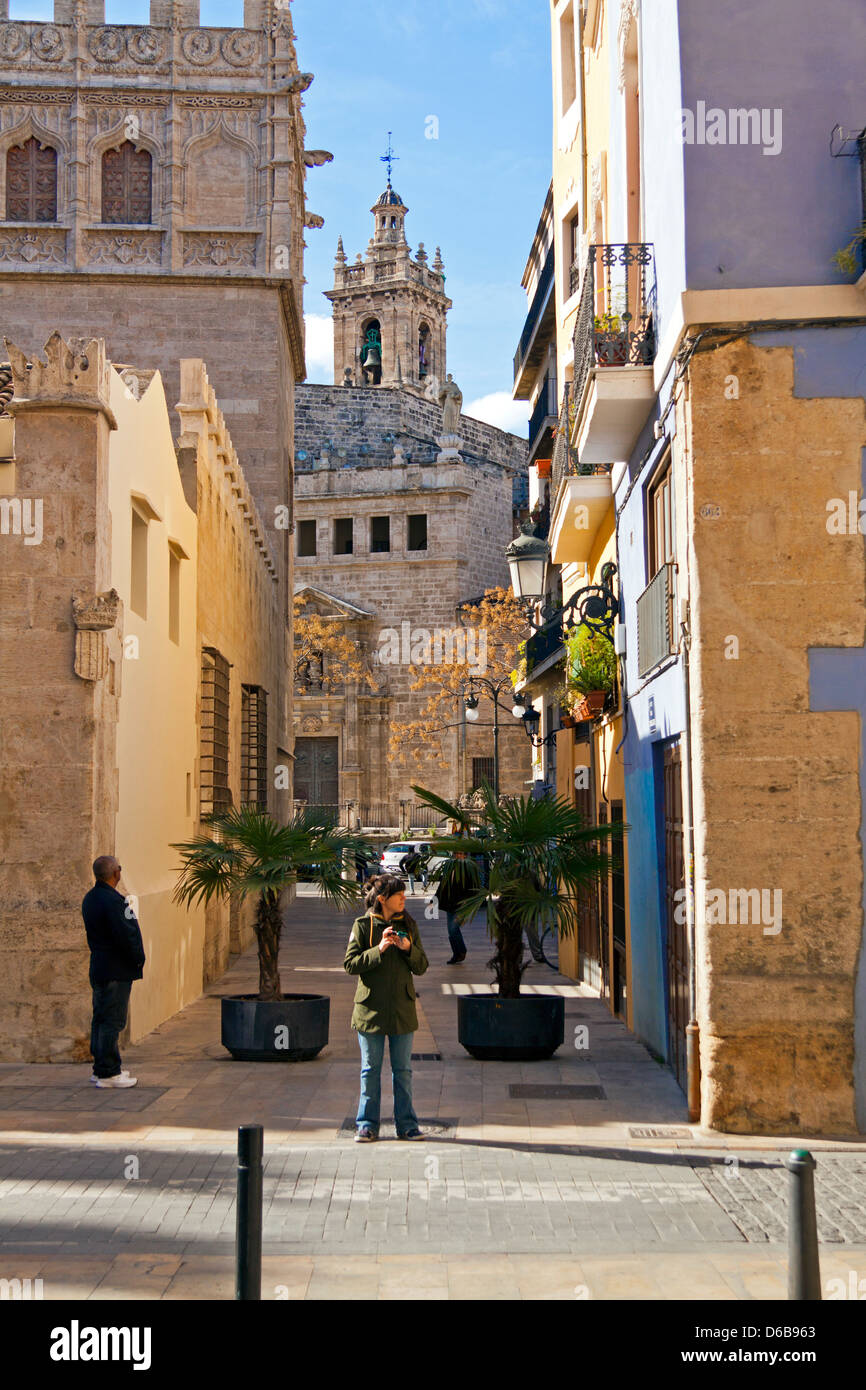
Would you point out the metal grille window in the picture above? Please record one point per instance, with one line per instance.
(214, 794)
(254, 746)
(31, 183)
(482, 771)
(126, 185)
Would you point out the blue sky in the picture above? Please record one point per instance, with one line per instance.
(482, 68)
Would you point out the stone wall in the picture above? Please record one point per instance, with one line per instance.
(346, 467)
(777, 802)
(58, 700)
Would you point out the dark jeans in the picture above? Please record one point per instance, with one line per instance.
(455, 936)
(110, 1007)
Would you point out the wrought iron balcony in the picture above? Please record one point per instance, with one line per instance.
(655, 621)
(537, 330)
(615, 328)
(543, 644)
(545, 412)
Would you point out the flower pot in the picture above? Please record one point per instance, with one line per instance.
(567, 721)
(592, 704)
(528, 1029)
(543, 467)
(294, 1029)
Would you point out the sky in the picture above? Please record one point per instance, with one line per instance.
(475, 76)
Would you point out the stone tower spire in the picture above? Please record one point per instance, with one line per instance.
(389, 310)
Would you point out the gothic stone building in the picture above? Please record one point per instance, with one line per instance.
(397, 524)
(152, 197)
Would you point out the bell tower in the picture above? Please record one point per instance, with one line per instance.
(389, 310)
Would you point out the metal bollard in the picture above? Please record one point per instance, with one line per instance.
(248, 1282)
(804, 1273)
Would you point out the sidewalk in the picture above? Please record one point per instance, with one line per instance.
(524, 1189)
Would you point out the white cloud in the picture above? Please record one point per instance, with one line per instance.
(320, 347)
(500, 410)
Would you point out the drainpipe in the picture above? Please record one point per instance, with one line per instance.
(693, 1055)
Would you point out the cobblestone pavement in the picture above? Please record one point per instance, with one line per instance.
(578, 1177)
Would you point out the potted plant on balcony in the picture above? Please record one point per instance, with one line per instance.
(848, 260)
(540, 857)
(611, 333)
(244, 852)
(591, 666)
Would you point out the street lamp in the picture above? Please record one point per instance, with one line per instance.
(470, 704)
(527, 557)
(531, 723)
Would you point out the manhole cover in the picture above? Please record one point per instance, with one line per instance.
(529, 1091)
(660, 1132)
(426, 1056)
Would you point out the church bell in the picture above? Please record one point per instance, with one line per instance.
(373, 360)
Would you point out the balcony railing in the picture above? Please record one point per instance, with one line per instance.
(616, 317)
(536, 308)
(543, 644)
(655, 621)
(545, 409)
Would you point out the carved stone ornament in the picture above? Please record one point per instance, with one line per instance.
(13, 41)
(106, 45)
(628, 14)
(199, 46)
(143, 248)
(27, 96)
(34, 248)
(47, 43)
(311, 724)
(240, 48)
(145, 46)
(312, 219)
(203, 248)
(96, 614)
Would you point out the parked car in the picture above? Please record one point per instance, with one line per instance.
(393, 853)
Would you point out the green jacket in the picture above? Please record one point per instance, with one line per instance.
(385, 997)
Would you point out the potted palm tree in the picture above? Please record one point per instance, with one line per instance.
(540, 856)
(244, 852)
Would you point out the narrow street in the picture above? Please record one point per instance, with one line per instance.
(570, 1179)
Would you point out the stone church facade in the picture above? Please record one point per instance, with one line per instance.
(398, 521)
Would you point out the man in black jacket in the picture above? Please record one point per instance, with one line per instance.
(116, 959)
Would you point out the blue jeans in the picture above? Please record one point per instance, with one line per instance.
(110, 1006)
(455, 936)
(372, 1057)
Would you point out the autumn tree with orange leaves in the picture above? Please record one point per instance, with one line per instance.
(486, 643)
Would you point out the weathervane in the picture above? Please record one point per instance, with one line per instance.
(389, 158)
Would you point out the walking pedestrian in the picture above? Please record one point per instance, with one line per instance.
(385, 951)
(116, 960)
(449, 896)
(410, 865)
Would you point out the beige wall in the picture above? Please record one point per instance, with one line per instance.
(776, 791)
(156, 734)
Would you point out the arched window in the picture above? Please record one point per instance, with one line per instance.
(423, 350)
(31, 182)
(371, 352)
(126, 184)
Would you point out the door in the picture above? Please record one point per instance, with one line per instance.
(604, 915)
(317, 772)
(589, 942)
(677, 959)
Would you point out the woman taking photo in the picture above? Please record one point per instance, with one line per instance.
(385, 951)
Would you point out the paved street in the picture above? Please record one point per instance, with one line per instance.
(526, 1187)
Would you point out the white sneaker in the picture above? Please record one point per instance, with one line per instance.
(94, 1079)
(117, 1082)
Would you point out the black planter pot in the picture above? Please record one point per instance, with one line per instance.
(293, 1029)
(528, 1029)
